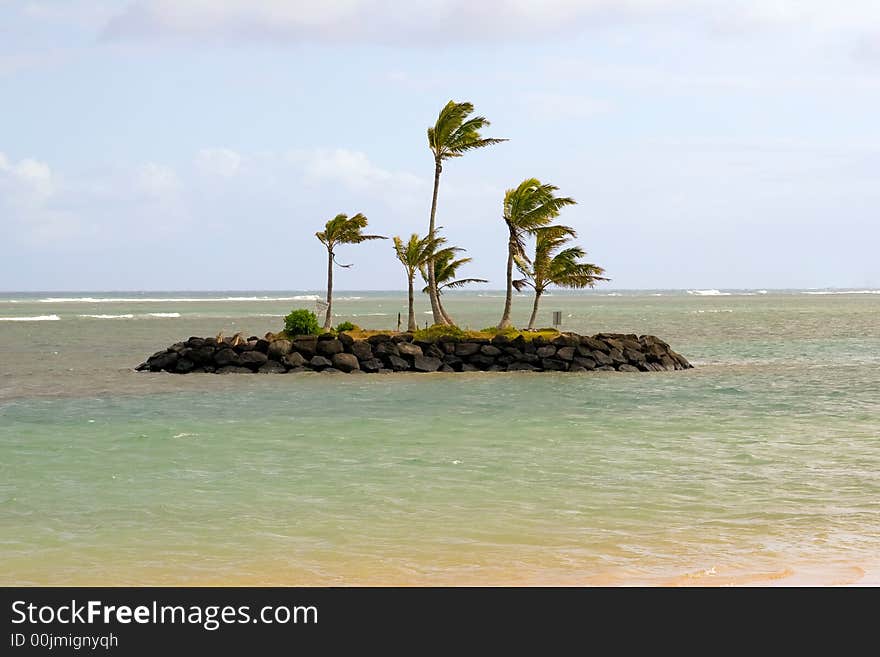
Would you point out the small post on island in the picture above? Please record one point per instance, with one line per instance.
(557, 318)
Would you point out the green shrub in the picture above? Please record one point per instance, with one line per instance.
(347, 326)
(301, 322)
(438, 332)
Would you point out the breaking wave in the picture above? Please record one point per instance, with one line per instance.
(40, 318)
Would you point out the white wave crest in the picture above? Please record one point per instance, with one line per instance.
(171, 315)
(301, 297)
(842, 292)
(709, 293)
(40, 318)
(107, 316)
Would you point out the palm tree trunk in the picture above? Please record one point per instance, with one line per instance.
(411, 322)
(432, 282)
(328, 318)
(538, 294)
(443, 311)
(508, 300)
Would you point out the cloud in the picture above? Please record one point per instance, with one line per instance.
(220, 162)
(353, 170)
(422, 22)
(38, 206)
(157, 181)
(28, 178)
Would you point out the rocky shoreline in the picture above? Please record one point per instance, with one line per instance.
(385, 353)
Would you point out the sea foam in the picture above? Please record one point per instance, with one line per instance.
(40, 318)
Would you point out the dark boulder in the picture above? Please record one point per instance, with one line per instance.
(546, 351)
(271, 367)
(278, 349)
(618, 357)
(345, 339)
(409, 350)
(253, 359)
(467, 367)
(594, 345)
(402, 337)
(361, 350)
(327, 335)
(294, 359)
(379, 338)
(565, 341)
(554, 364)
(385, 349)
(319, 363)
(329, 347)
(397, 363)
(467, 348)
(627, 368)
(371, 365)
(481, 361)
(195, 343)
(345, 362)
(601, 358)
(261, 345)
(521, 366)
(489, 350)
(226, 357)
(586, 363)
(184, 365)
(433, 351)
(306, 345)
(426, 364)
(565, 353)
(634, 357)
(453, 361)
(445, 368)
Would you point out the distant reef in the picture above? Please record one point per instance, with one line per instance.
(407, 352)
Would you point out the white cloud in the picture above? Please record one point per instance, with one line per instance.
(221, 162)
(157, 180)
(30, 179)
(353, 170)
(421, 22)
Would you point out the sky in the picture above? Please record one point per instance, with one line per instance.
(200, 144)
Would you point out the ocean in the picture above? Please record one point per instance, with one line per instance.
(759, 466)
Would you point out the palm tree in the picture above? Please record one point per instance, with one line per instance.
(341, 229)
(412, 255)
(445, 269)
(526, 208)
(451, 136)
(552, 266)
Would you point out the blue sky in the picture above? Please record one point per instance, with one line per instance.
(183, 144)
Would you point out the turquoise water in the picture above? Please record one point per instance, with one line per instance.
(761, 465)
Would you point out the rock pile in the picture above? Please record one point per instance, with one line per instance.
(383, 353)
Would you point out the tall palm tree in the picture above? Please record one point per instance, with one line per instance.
(527, 207)
(555, 265)
(451, 136)
(412, 255)
(445, 270)
(341, 229)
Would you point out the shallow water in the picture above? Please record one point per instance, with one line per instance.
(762, 465)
